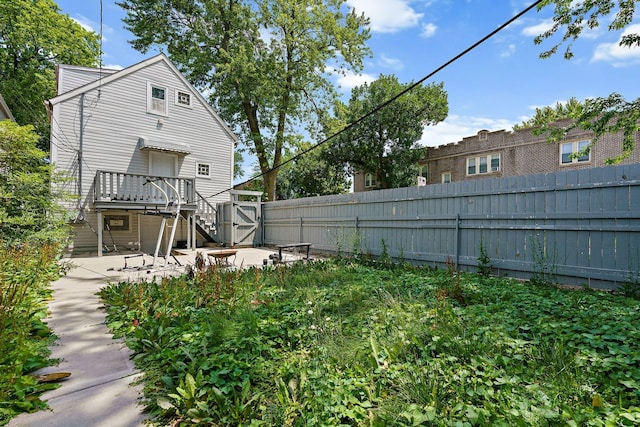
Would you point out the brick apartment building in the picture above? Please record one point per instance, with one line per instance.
(509, 153)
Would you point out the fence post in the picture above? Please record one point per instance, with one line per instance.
(301, 232)
(456, 243)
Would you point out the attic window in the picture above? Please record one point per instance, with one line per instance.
(483, 135)
(157, 99)
(183, 98)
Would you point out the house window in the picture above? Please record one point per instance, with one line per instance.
(116, 223)
(446, 177)
(483, 164)
(574, 152)
(203, 170)
(157, 100)
(423, 171)
(370, 180)
(183, 98)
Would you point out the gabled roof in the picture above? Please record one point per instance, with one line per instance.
(132, 69)
(5, 110)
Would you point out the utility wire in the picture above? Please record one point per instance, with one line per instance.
(392, 99)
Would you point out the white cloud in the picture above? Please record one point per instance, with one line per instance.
(455, 127)
(536, 30)
(508, 51)
(618, 55)
(350, 80)
(387, 16)
(392, 63)
(428, 30)
(113, 66)
(84, 22)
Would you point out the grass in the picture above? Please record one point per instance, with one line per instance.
(25, 275)
(350, 343)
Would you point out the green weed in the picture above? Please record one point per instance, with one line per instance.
(343, 343)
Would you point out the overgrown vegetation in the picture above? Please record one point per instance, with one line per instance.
(32, 230)
(343, 343)
(25, 274)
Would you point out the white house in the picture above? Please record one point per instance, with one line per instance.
(5, 114)
(126, 139)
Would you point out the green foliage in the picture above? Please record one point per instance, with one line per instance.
(25, 274)
(35, 36)
(341, 343)
(545, 263)
(28, 207)
(264, 62)
(311, 174)
(484, 262)
(385, 143)
(602, 115)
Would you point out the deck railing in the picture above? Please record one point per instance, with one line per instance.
(135, 188)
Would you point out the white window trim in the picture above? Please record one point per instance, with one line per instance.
(574, 149)
(150, 110)
(177, 97)
(373, 182)
(490, 169)
(443, 175)
(198, 175)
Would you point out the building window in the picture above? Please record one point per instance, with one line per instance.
(423, 172)
(183, 98)
(370, 180)
(116, 223)
(575, 152)
(446, 177)
(157, 100)
(483, 164)
(203, 170)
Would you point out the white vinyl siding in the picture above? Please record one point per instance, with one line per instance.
(119, 118)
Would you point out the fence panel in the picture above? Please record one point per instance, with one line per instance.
(584, 225)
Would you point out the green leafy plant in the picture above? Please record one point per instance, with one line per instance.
(343, 342)
(484, 262)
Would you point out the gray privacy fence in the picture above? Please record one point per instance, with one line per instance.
(581, 226)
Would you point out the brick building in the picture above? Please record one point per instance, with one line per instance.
(510, 153)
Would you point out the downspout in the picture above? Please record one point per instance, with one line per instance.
(80, 147)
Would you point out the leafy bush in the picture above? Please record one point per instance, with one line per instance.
(25, 274)
(341, 343)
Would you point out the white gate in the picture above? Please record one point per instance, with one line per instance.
(242, 218)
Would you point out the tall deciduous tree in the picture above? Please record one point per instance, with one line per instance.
(385, 143)
(34, 36)
(604, 114)
(28, 204)
(264, 61)
(312, 174)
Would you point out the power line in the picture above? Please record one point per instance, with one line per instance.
(392, 99)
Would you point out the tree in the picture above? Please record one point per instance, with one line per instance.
(385, 143)
(28, 204)
(600, 115)
(263, 61)
(569, 110)
(312, 174)
(34, 36)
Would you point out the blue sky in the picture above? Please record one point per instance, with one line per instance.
(494, 87)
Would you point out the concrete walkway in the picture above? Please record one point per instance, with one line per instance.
(99, 392)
